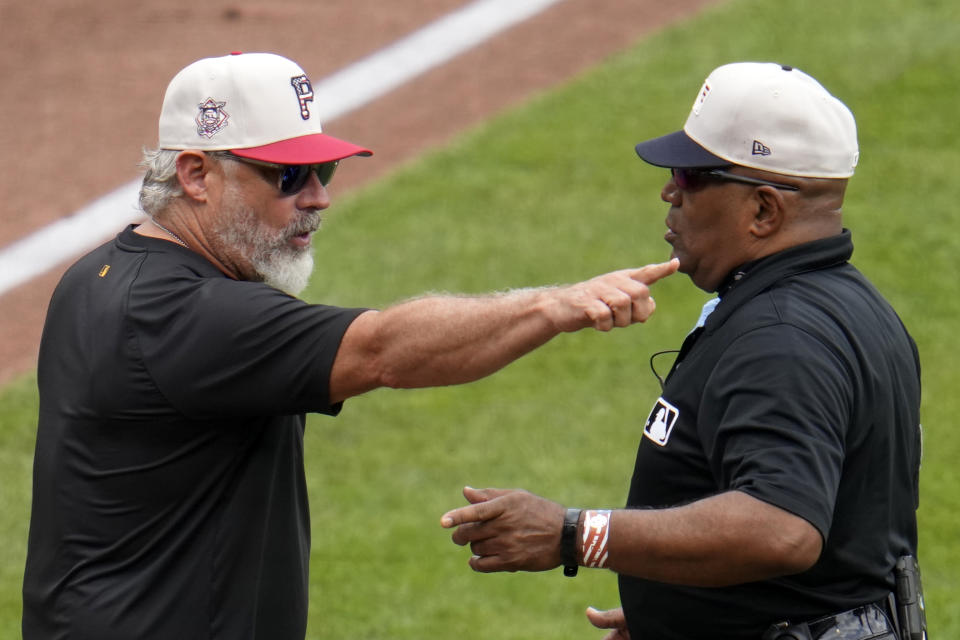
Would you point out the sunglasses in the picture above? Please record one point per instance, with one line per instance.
(290, 179)
(693, 179)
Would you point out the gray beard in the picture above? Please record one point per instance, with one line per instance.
(290, 273)
(266, 250)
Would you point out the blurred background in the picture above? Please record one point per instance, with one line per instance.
(509, 165)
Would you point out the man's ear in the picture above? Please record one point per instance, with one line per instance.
(770, 211)
(192, 169)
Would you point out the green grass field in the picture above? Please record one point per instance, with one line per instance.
(553, 192)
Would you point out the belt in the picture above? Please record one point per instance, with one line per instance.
(869, 622)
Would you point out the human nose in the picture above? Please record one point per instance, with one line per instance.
(313, 195)
(670, 192)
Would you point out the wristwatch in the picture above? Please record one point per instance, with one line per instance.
(568, 542)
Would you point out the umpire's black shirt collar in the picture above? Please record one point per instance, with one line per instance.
(751, 278)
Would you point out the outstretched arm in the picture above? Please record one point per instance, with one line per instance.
(443, 340)
(726, 539)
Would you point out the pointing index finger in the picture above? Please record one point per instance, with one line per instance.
(478, 512)
(653, 272)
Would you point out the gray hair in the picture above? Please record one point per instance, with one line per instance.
(160, 185)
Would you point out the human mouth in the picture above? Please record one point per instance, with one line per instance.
(301, 240)
(301, 236)
(670, 236)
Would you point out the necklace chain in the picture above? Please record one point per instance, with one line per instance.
(170, 233)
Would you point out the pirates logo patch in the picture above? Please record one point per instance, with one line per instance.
(661, 421)
(304, 94)
(701, 98)
(212, 118)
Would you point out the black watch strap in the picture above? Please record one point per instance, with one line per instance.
(568, 542)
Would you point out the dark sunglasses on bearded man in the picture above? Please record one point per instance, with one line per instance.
(291, 178)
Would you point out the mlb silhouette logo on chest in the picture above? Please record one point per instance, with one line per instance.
(660, 422)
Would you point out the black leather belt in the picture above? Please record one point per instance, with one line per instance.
(869, 622)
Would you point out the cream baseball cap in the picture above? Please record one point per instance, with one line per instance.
(256, 105)
(765, 116)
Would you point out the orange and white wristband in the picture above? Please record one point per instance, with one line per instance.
(596, 535)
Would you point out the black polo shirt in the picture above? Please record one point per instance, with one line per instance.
(169, 498)
(801, 390)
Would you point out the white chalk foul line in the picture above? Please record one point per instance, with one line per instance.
(344, 91)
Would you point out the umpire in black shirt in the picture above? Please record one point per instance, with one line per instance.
(776, 481)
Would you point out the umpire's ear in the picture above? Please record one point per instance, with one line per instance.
(770, 211)
(192, 169)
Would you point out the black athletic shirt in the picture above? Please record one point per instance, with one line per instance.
(169, 498)
(801, 390)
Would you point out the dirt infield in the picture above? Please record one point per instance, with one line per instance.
(83, 81)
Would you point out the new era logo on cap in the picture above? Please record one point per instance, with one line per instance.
(760, 149)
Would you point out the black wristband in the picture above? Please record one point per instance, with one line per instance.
(568, 542)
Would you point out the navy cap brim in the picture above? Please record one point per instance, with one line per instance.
(677, 150)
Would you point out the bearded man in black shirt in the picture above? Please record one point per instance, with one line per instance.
(175, 369)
